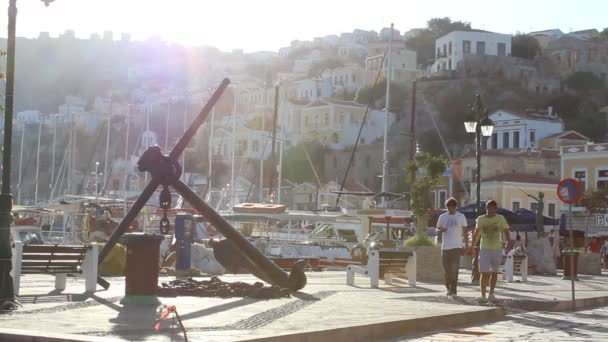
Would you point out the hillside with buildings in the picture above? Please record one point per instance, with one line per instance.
(543, 91)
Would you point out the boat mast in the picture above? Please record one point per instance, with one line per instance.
(70, 168)
(105, 167)
(126, 176)
(273, 173)
(53, 156)
(20, 164)
(262, 157)
(231, 201)
(38, 160)
(210, 155)
(281, 142)
(167, 124)
(386, 112)
(184, 132)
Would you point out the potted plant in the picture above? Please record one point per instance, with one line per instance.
(423, 174)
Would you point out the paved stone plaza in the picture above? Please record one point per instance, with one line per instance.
(327, 309)
(585, 325)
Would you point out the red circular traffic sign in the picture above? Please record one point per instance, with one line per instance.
(569, 190)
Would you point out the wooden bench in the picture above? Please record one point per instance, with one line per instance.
(385, 264)
(57, 260)
(515, 263)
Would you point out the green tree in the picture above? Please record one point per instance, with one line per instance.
(584, 81)
(603, 36)
(588, 120)
(565, 105)
(594, 202)
(430, 143)
(424, 41)
(423, 174)
(580, 115)
(524, 46)
(296, 166)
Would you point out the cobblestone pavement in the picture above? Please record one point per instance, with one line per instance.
(586, 325)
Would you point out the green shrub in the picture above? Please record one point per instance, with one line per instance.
(419, 240)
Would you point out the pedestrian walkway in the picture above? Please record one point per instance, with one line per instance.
(585, 325)
(326, 310)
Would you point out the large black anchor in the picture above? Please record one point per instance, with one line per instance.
(166, 171)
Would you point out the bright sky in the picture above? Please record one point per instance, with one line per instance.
(270, 24)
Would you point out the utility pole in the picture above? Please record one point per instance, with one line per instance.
(7, 292)
(274, 139)
(386, 112)
(413, 124)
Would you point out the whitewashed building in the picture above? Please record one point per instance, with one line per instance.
(249, 143)
(452, 48)
(403, 61)
(522, 130)
(333, 123)
(345, 79)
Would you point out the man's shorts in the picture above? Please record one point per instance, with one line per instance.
(489, 260)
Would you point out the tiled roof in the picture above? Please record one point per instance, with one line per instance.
(521, 178)
(326, 102)
(354, 185)
(317, 103)
(529, 115)
(585, 31)
(514, 154)
(572, 135)
(344, 103)
(298, 101)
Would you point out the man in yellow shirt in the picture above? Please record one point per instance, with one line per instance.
(493, 231)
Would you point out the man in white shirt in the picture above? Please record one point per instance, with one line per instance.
(452, 225)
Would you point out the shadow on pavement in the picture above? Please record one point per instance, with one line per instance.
(219, 308)
(579, 329)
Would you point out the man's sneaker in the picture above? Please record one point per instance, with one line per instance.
(491, 297)
(482, 300)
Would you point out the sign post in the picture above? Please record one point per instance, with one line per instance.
(569, 191)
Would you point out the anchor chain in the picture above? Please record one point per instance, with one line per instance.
(214, 287)
(165, 204)
(167, 171)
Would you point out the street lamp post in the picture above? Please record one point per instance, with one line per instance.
(7, 292)
(479, 123)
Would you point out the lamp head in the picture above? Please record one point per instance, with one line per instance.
(487, 126)
(470, 123)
